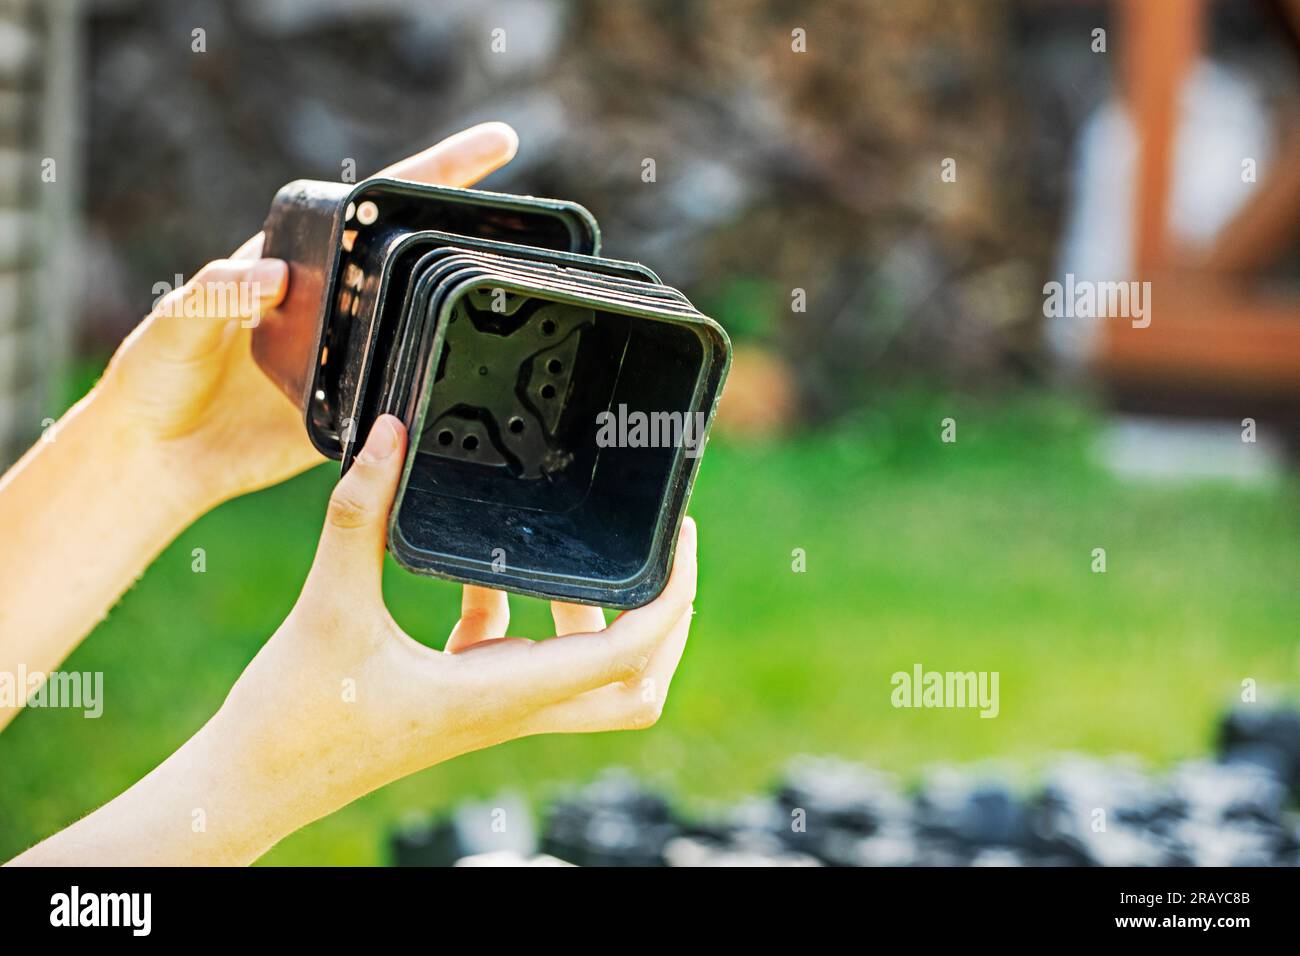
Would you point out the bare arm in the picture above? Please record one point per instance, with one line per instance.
(182, 420)
(340, 701)
(83, 514)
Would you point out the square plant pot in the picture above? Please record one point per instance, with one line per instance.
(557, 401)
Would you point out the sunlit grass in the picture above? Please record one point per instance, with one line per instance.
(969, 556)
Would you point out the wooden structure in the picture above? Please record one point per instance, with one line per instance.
(1219, 341)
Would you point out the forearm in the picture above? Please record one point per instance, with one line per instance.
(84, 512)
(197, 808)
(224, 798)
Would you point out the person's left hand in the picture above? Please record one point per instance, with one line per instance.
(184, 387)
(341, 701)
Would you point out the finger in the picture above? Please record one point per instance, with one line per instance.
(191, 320)
(351, 551)
(625, 706)
(484, 616)
(576, 618)
(550, 671)
(663, 666)
(252, 247)
(459, 160)
(678, 595)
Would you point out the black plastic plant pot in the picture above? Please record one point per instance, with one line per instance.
(556, 441)
(557, 402)
(335, 238)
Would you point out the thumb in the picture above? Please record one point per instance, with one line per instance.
(351, 550)
(190, 321)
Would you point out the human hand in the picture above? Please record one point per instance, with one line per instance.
(184, 388)
(341, 701)
(182, 420)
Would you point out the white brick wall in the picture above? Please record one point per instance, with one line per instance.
(39, 61)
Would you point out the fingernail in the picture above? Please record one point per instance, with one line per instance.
(509, 138)
(689, 536)
(382, 441)
(268, 275)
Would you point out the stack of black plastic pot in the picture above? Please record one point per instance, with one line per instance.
(491, 326)
(1088, 812)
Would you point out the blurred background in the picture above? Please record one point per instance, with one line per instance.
(870, 195)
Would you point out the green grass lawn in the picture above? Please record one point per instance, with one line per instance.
(969, 556)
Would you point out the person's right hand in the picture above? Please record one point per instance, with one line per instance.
(185, 391)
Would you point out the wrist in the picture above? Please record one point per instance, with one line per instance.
(237, 813)
(178, 491)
